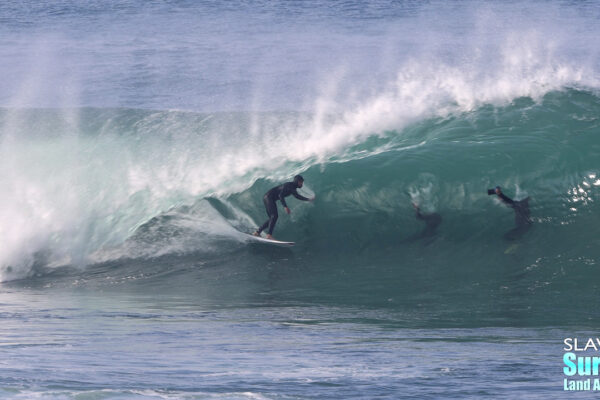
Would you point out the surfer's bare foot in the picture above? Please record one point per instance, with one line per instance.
(256, 233)
(270, 237)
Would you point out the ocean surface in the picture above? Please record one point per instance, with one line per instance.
(137, 139)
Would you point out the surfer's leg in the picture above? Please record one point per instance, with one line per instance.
(271, 207)
(268, 207)
(262, 227)
(273, 218)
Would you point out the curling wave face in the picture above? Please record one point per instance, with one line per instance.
(146, 184)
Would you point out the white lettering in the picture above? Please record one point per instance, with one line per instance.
(568, 344)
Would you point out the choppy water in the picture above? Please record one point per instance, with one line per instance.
(136, 142)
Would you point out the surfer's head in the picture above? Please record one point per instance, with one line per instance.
(298, 180)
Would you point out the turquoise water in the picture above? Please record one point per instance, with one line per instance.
(136, 143)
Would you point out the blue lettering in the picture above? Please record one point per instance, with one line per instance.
(570, 368)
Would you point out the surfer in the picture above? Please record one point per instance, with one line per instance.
(522, 215)
(431, 220)
(279, 193)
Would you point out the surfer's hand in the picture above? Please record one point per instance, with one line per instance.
(312, 199)
(287, 210)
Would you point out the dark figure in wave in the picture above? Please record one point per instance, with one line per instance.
(432, 221)
(279, 193)
(522, 215)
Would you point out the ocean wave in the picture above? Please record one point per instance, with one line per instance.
(76, 188)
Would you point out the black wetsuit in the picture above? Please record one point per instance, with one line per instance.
(431, 222)
(522, 216)
(270, 199)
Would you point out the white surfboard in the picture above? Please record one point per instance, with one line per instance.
(274, 242)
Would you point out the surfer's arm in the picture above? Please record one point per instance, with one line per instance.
(506, 200)
(299, 196)
(283, 201)
(282, 197)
